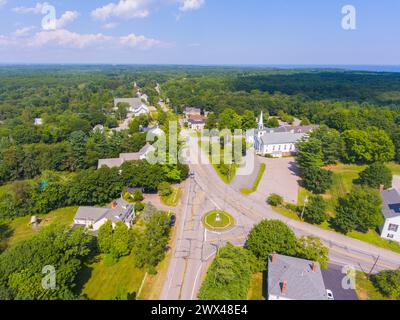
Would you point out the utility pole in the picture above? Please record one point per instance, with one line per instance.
(304, 207)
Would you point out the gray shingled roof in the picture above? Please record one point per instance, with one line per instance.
(123, 212)
(391, 203)
(281, 137)
(293, 129)
(135, 103)
(301, 282)
(123, 157)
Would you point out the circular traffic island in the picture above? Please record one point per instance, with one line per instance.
(217, 220)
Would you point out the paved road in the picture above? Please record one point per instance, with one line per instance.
(195, 248)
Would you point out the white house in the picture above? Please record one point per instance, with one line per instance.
(94, 217)
(136, 106)
(294, 279)
(277, 142)
(391, 212)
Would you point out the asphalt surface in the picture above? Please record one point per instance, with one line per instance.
(333, 278)
(195, 247)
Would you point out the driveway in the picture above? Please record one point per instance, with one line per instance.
(280, 177)
(396, 183)
(333, 278)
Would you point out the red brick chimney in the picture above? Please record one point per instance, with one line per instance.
(381, 188)
(114, 205)
(283, 287)
(273, 257)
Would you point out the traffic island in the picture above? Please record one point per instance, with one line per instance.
(218, 221)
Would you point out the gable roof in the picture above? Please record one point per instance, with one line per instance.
(391, 203)
(302, 283)
(135, 103)
(123, 211)
(281, 137)
(291, 129)
(123, 157)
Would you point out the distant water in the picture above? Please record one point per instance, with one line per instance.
(371, 68)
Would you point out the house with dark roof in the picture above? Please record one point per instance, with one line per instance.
(391, 213)
(292, 278)
(94, 217)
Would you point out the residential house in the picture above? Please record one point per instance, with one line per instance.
(189, 111)
(94, 217)
(136, 106)
(196, 122)
(277, 142)
(154, 130)
(292, 278)
(391, 213)
(124, 157)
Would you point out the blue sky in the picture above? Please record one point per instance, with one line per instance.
(200, 32)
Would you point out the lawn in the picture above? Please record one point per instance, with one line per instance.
(343, 177)
(173, 199)
(107, 279)
(211, 223)
(20, 228)
(217, 159)
(256, 287)
(366, 290)
(257, 182)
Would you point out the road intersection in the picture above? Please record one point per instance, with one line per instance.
(196, 247)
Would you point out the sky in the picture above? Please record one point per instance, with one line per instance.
(227, 32)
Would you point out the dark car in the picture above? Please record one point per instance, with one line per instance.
(172, 221)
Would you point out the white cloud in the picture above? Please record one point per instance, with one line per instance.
(124, 9)
(24, 31)
(65, 38)
(2, 3)
(66, 18)
(108, 26)
(189, 5)
(37, 9)
(134, 41)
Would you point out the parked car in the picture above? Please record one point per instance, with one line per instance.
(172, 221)
(329, 294)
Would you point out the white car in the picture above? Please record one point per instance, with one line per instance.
(329, 294)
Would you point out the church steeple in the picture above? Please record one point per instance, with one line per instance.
(261, 122)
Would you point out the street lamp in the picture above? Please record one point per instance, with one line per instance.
(304, 207)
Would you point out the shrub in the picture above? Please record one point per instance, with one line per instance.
(139, 206)
(138, 195)
(275, 200)
(315, 211)
(388, 283)
(164, 189)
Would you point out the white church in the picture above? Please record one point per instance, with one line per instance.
(277, 142)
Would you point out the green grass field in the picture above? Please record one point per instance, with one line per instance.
(173, 199)
(20, 229)
(105, 280)
(366, 290)
(257, 182)
(225, 223)
(343, 177)
(256, 287)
